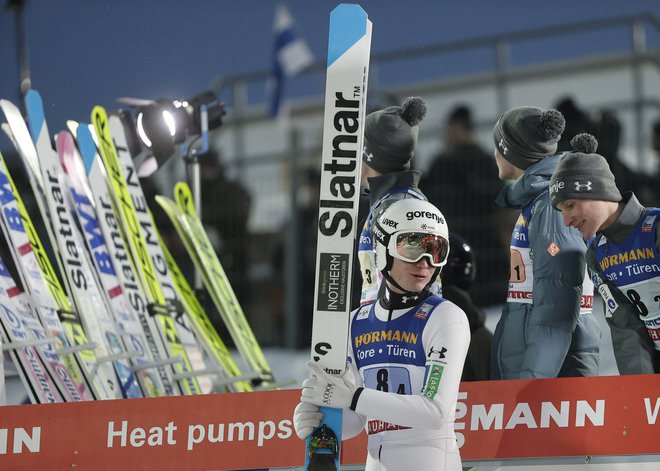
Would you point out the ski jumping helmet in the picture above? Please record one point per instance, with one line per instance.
(410, 229)
(461, 268)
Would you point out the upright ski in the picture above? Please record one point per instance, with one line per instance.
(349, 46)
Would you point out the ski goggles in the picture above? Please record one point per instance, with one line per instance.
(412, 246)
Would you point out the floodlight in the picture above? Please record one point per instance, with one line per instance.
(163, 124)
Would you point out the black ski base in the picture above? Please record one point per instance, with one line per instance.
(323, 450)
(322, 462)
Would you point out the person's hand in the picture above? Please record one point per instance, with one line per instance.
(326, 390)
(306, 418)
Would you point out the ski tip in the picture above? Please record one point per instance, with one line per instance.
(348, 24)
(33, 94)
(35, 110)
(87, 145)
(99, 114)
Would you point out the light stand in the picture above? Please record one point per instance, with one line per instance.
(163, 124)
(191, 158)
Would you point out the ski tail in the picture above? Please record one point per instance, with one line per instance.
(349, 46)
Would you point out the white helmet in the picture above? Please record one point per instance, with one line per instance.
(410, 229)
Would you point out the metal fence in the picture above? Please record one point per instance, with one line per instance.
(274, 161)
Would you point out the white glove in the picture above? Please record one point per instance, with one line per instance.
(306, 418)
(326, 390)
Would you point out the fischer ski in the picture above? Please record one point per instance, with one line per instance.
(349, 46)
(128, 325)
(187, 224)
(141, 234)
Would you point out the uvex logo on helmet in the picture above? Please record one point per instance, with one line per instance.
(410, 215)
(389, 222)
(378, 234)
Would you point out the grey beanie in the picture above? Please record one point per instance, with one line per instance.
(583, 174)
(390, 136)
(526, 135)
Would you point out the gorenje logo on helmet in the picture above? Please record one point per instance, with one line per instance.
(410, 215)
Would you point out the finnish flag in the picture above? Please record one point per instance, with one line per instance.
(291, 55)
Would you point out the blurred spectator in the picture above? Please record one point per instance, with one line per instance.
(607, 130)
(652, 198)
(577, 121)
(307, 214)
(225, 213)
(457, 276)
(606, 127)
(462, 181)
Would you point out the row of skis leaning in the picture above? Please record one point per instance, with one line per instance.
(106, 313)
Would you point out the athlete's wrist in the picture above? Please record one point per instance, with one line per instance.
(354, 400)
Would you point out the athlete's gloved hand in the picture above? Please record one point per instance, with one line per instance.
(326, 390)
(306, 418)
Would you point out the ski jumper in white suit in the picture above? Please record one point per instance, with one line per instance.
(405, 355)
(414, 348)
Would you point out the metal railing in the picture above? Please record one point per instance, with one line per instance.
(502, 74)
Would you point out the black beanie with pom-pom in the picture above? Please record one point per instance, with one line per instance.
(583, 174)
(390, 136)
(526, 135)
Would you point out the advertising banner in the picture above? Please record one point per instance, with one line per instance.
(615, 415)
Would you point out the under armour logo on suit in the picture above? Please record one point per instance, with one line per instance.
(583, 186)
(440, 353)
(503, 146)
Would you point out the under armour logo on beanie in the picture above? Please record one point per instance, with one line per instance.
(526, 135)
(583, 174)
(583, 186)
(390, 136)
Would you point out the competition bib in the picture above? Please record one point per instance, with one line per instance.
(634, 267)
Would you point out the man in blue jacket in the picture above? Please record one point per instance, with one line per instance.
(547, 328)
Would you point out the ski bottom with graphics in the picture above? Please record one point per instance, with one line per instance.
(17, 336)
(349, 45)
(189, 227)
(46, 294)
(137, 223)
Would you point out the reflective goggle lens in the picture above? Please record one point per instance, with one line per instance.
(412, 246)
